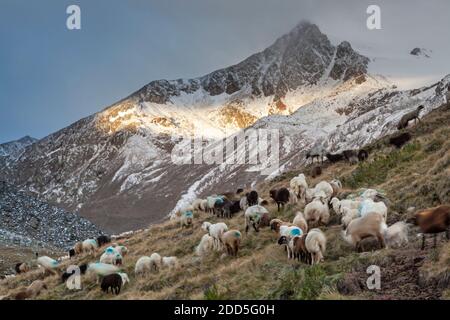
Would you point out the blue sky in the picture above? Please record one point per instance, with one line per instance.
(51, 77)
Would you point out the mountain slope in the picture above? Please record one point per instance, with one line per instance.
(415, 175)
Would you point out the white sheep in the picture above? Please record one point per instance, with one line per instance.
(170, 262)
(205, 246)
(299, 185)
(368, 205)
(348, 215)
(47, 263)
(338, 205)
(90, 246)
(337, 186)
(315, 243)
(326, 188)
(125, 278)
(187, 218)
(197, 205)
(147, 264)
(111, 256)
(317, 212)
(370, 225)
(215, 231)
(253, 216)
(300, 221)
(293, 199)
(101, 269)
(396, 235)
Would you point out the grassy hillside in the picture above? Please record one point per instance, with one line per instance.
(417, 175)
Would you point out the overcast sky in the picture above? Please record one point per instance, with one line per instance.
(51, 77)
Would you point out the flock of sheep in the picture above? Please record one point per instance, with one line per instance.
(361, 216)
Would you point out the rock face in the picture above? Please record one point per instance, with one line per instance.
(14, 148)
(26, 221)
(116, 169)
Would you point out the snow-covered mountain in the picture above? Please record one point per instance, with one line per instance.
(116, 169)
(14, 148)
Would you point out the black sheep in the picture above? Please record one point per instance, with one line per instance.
(252, 198)
(333, 158)
(363, 155)
(400, 140)
(103, 240)
(281, 196)
(113, 281)
(350, 155)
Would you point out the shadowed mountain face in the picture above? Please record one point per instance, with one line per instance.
(115, 167)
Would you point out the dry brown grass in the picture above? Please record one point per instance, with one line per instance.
(261, 270)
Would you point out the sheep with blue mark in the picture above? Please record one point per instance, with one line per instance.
(187, 217)
(286, 234)
(253, 217)
(101, 269)
(47, 263)
(111, 256)
(231, 240)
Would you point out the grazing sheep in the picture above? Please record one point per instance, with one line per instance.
(300, 221)
(252, 198)
(339, 205)
(363, 155)
(337, 187)
(22, 267)
(102, 240)
(122, 250)
(368, 205)
(231, 240)
(147, 264)
(299, 185)
(89, 246)
(215, 231)
(111, 256)
(316, 152)
(205, 246)
(276, 223)
(170, 262)
(399, 140)
(326, 188)
(316, 171)
(433, 221)
(298, 248)
(351, 156)
(198, 204)
(315, 244)
(78, 247)
(213, 201)
(370, 225)
(113, 281)
(229, 208)
(186, 219)
(101, 269)
(286, 234)
(281, 196)
(317, 212)
(253, 217)
(33, 290)
(47, 263)
(333, 158)
(396, 235)
(348, 214)
(413, 115)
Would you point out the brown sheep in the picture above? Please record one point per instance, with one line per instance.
(113, 281)
(434, 221)
(22, 267)
(299, 249)
(280, 196)
(78, 247)
(231, 239)
(275, 224)
(370, 225)
(32, 291)
(316, 171)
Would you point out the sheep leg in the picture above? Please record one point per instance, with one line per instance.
(246, 228)
(254, 227)
(423, 241)
(381, 241)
